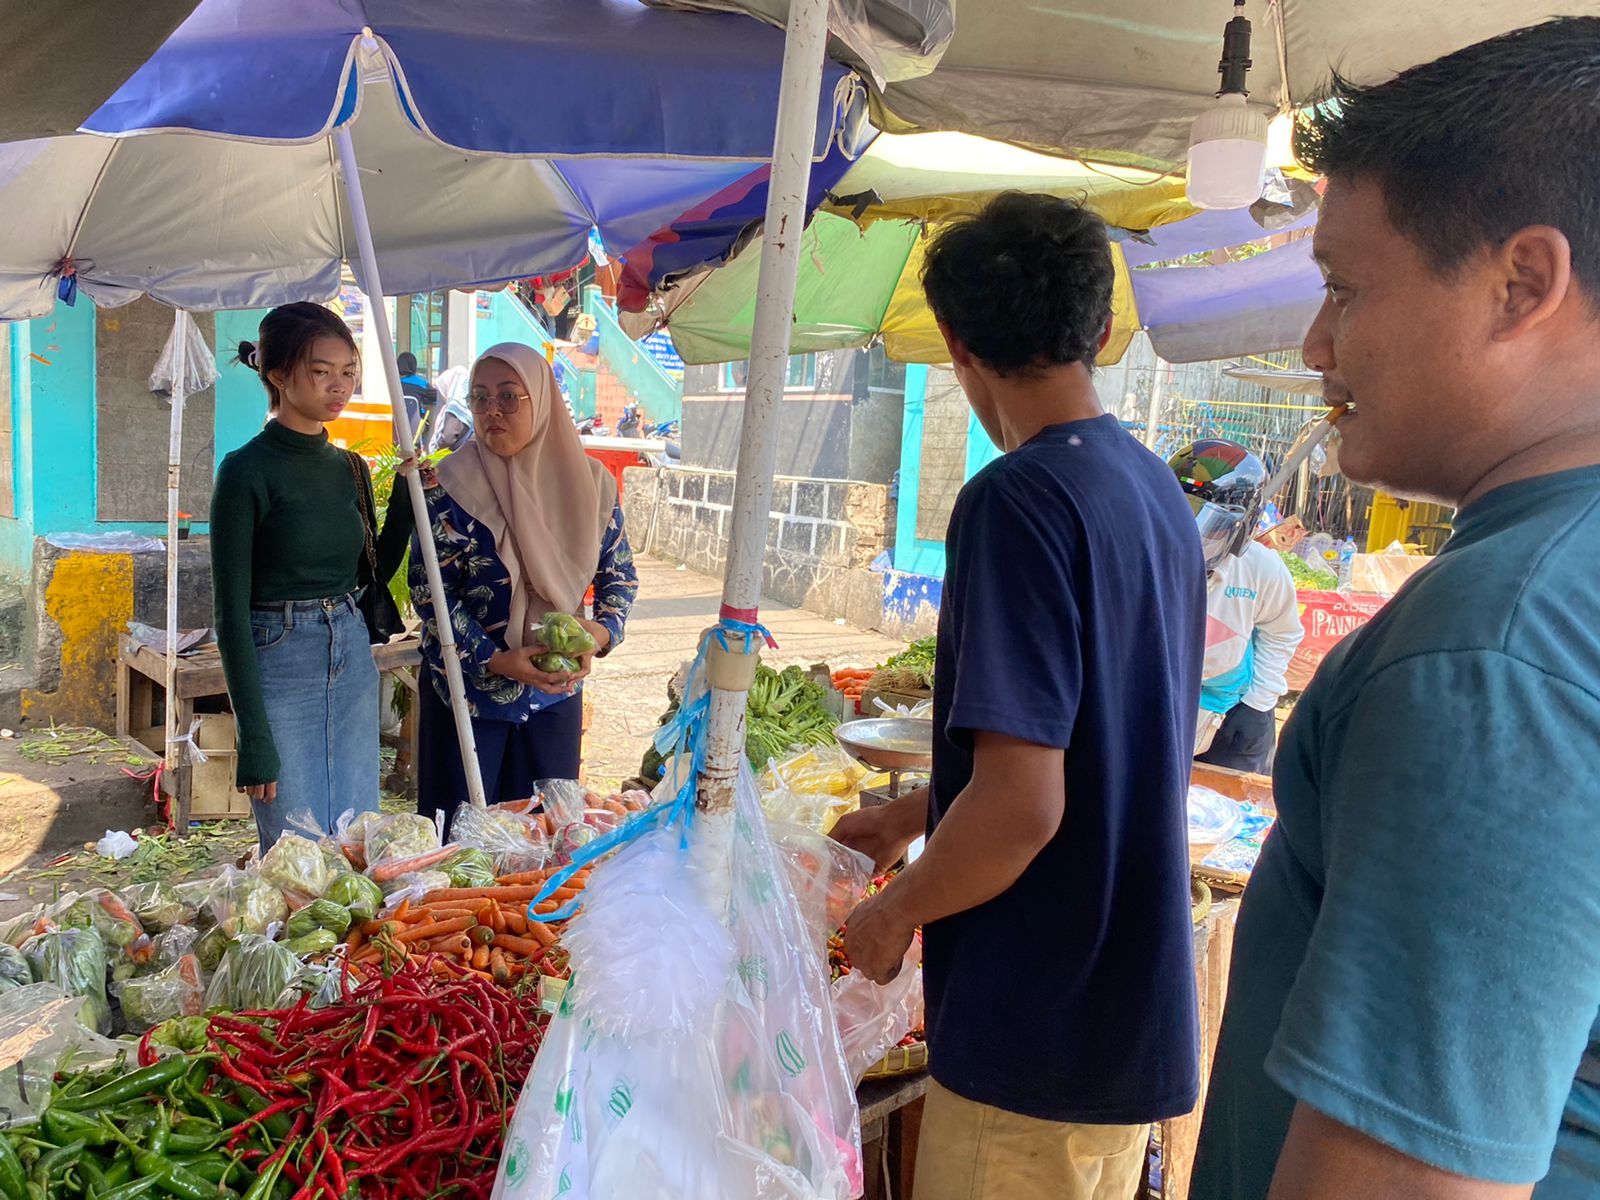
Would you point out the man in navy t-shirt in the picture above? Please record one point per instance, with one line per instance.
(1054, 891)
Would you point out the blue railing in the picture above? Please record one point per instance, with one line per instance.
(658, 394)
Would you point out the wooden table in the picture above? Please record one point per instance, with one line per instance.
(141, 703)
(891, 1120)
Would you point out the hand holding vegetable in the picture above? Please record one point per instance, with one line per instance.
(884, 831)
(877, 936)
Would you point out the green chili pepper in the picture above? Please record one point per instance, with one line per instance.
(213, 1168)
(56, 1160)
(94, 1179)
(192, 1143)
(121, 1169)
(139, 1083)
(128, 1191)
(175, 1180)
(13, 1179)
(267, 1180)
(62, 1127)
(278, 1125)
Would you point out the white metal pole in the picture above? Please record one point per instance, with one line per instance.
(799, 92)
(1152, 428)
(180, 367)
(373, 286)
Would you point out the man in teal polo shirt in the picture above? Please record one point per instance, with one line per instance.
(1416, 980)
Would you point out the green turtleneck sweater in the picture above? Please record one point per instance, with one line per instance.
(285, 525)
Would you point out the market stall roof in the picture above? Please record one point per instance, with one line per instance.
(1121, 80)
(58, 63)
(480, 183)
(860, 275)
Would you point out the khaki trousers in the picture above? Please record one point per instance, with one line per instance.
(970, 1151)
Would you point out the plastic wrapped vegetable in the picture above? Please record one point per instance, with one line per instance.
(254, 973)
(210, 948)
(319, 914)
(563, 634)
(358, 894)
(175, 943)
(296, 867)
(158, 906)
(242, 903)
(514, 840)
(174, 992)
(400, 837)
(182, 1033)
(75, 961)
(318, 941)
(350, 833)
(14, 969)
(413, 887)
(107, 915)
(469, 867)
(557, 664)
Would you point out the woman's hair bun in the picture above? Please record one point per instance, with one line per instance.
(247, 355)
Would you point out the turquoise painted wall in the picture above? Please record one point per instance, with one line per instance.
(53, 419)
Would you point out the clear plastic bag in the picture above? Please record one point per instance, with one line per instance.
(242, 903)
(41, 1032)
(254, 974)
(350, 835)
(873, 1017)
(175, 943)
(1213, 818)
(412, 887)
(564, 800)
(402, 836)
(696, 1053)
(176, 991)
(75, 961)
(828, 878)
(514, 840)
(198, 368)
(14, 969)
(297, 867)
(159, 906)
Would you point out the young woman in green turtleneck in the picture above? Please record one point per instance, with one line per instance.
(290, 520)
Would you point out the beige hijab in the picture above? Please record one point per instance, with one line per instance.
(547, 506)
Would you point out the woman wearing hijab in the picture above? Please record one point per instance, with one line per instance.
(525, 523)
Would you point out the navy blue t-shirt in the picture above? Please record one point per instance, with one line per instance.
(1074, 616)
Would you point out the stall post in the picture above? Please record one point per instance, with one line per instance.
(372, 285)
(799, 92)
(174, 747)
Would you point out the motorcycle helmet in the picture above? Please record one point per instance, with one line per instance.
(1224, 483)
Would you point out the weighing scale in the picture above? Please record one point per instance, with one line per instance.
(896, 745)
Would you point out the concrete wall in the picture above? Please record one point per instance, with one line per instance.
(824, 537)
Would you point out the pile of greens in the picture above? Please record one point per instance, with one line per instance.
(1307, 577)
(785, 710)
(910, 671)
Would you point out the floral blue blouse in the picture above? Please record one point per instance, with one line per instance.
(479, 587)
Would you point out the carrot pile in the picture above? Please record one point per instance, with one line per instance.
(483, 933)
(852, 682)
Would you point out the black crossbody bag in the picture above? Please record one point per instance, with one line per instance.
(376, 604)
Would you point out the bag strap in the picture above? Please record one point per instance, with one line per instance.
(371, 551)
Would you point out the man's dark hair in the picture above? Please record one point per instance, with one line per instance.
(406, 362)
(1025, 284)
(1476, 145)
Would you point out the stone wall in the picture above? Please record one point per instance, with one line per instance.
(823, 536)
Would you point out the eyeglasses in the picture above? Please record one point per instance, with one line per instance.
(506, 401)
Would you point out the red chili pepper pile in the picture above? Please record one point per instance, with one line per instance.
(402, 1092)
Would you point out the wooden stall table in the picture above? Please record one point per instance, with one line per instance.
(891, 1120)
(141, 696)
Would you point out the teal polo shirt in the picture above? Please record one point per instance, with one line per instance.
(1418, 952)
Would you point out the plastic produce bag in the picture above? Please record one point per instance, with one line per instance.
(158, 906)
(296, 867)
(186, 366)
(513, 839)
(564, 800)
(254, 973)
(562, 634)
(358, 894)
(350, 835)
(243, 903)
(412, 887)
(42, 1032)
(696, 1053)
(107, 915)
(395, 838)
(175, 992)
(14, 969)
(319, 914)
(874, 1018)
(828, 878)
(469, 867)
(175, 943)
(75, 961)
(1213, 818)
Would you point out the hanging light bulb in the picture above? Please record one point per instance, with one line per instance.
(1228, 142)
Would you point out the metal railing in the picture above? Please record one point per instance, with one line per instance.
(658, 394)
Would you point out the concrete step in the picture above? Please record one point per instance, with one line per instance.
(14, 681)
(52, 806)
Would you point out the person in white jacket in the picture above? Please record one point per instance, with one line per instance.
(1252, 614)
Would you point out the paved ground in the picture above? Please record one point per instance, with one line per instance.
(628, 691)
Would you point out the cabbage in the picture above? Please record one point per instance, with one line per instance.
(319, 914)
(244, 904)
(357, 893)
(296, 865)
(406, 835)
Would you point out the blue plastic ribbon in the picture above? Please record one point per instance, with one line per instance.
(684, 734)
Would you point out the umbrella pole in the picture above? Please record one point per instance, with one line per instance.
(798, 95)
(372, 285)
(174, 748)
